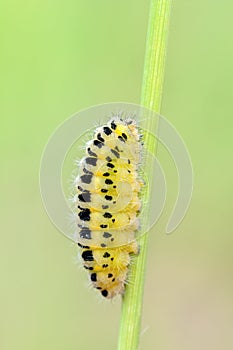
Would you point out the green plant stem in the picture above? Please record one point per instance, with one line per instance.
(151, 98)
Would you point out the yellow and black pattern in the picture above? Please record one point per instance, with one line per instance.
(108, 204)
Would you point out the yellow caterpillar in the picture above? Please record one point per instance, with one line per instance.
(107, 202)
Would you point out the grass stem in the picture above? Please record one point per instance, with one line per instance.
(151, 98)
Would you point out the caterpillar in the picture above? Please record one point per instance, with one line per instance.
(107, 204)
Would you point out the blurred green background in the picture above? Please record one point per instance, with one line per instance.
(59, 57)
